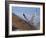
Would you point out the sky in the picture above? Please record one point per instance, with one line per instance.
(28, 11)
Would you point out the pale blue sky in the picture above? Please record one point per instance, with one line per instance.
(28, 11)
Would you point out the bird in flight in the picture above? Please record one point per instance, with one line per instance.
(25, 16)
